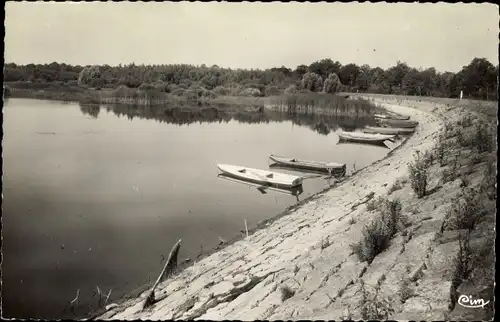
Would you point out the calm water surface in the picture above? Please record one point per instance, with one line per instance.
(96, 198)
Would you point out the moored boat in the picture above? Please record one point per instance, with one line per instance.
(334, 168)
(364, 137)
(392, 117)
(263, 177)
(388, 130)
(398, 123)
(294, 191)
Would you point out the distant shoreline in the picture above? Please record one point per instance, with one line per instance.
(135, 97)
(78, 94)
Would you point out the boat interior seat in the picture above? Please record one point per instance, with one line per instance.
(269, 175)
(242, 170)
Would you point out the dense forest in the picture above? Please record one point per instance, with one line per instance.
(477, 80)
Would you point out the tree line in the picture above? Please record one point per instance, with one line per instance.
(477, 80)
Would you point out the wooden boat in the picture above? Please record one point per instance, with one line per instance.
(365, 137)
(379, 144)
(325, 167)
(398, 123)
(388, 130)
(392, 117)
(263, 177)
(295, 191)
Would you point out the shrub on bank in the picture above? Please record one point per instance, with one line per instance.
(419, 175)
(482, 138)
(465, 211)
(377, 235)
(440, 151)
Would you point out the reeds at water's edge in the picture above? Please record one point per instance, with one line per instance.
(324, 104)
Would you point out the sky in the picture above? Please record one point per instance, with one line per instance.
(251, 35)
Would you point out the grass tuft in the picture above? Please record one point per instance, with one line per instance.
(286, 293)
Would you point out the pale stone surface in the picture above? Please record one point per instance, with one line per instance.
(243, 280)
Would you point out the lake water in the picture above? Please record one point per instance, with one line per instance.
(95, 197)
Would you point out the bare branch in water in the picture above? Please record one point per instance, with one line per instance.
(107, 297)
(75, 300)
(167, 271)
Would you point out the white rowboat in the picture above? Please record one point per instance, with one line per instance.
(263, 177)
(388, 130)
(398, 123)
(391, 117)
(364, 137)
(295, 191)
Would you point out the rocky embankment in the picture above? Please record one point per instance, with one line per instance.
(302, 265)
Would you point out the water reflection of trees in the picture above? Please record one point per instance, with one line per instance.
(92, 110)
(185, 116)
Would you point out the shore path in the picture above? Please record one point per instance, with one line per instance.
(308, 251)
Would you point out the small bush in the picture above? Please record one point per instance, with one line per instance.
(482, 138)
(441, 152)
(464, 212)
(377, 235)
(375, 240)
(397, 219)
(451, 173)
(286, 293)
(462, 268)
(371, 205)
(429, 157)
(373, 307)
(462, 139)
(405, 291)
(489, 182)
(447, 127)
(449, 130)
(466, 121)
(418, 174)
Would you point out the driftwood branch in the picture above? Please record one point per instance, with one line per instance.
(75, 300)
(107, 296)
(167, 271)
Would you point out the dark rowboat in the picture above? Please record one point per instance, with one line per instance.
(336, 169)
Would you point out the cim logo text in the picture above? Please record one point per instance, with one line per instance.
(468, 301)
